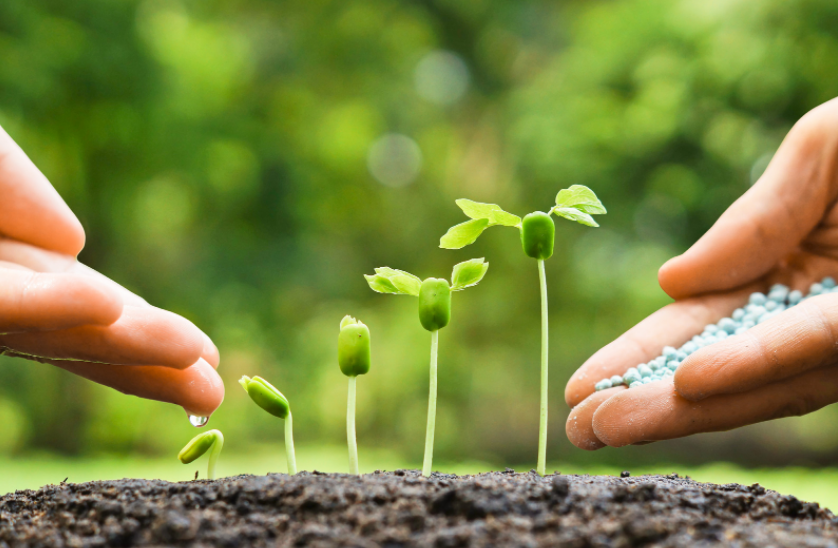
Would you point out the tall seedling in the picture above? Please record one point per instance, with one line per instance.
(538, 233)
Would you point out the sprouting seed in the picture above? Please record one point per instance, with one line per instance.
(538, 232)
(266, 396)
(434, 314)
(212, 441)
(354, 360)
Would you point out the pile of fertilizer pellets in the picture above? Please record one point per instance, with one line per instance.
(760, 308)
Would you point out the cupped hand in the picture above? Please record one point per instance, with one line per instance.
(55, 310)
(783, 230)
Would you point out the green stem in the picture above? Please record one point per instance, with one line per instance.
(429, 431)
(542, 423)
(350, 428)
(289, 445)
(214, 452)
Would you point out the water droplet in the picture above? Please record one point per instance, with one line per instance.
(197, 421)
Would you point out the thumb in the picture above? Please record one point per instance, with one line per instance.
(770, 220)
(30, 209)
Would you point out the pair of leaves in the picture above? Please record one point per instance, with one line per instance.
(398, 282)
(482, 217)
(578, 203)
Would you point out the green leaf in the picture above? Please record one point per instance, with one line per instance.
(574, 215)
(468, 273)
(198, 445)
(492, 212)
(581, 198)
(463, 234)
(390, 280)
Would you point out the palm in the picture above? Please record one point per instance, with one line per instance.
(783, 230)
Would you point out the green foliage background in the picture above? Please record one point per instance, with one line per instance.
(217, 155)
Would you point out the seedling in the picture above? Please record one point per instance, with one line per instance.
(211, 441)
(538, 233)
(271, 400)
(354, 360)
(434, 314)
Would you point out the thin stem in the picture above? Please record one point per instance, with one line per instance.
(350, 428)
(289, 445)
(214, 452)
(542, 423)
(429, 430)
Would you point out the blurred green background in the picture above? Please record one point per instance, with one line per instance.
(244, 162)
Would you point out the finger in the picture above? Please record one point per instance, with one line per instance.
(42, 260)
(198, 388)
(770, 220)
(141, 336)
(797, 340)
(28, 256)
(31, 210)
(31, 301)
(579, 425)
(655, 411)
(673, 324)
(210, 352)
(14, 266)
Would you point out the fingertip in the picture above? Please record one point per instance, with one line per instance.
(674, 277)
(210, 352)
(579, 427)
(108, 302)
(203, 392)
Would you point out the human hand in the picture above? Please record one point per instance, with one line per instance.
(783, 230)
(55, 310)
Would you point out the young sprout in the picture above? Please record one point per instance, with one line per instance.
(271, 400)
(211, 441)
(434, 314)
(354, 360)
(538, 233)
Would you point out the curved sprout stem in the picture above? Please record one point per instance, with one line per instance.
(214, 452)
(350, 427)
(289, 445)
(429, 431)
(542, 423)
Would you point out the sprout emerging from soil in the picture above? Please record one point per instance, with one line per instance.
(354, 360)
(211, 441)
(271, 400)
(538, 233)
(434, 314)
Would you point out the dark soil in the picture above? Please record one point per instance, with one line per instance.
(404, 509)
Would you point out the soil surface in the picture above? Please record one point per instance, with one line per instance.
(404, 509)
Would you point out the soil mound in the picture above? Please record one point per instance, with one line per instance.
(402, 508)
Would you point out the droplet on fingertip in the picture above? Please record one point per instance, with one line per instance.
(198, 421)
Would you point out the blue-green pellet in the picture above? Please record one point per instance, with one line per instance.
(616, 380)
(740, 330)
(710, 328)
(757, 298)
(771, 305)
(795, 297)
(631, 377)
(635, 384)
(828, 282)
(738, 314)
(668, 351)
(644, 370)
(689, 348)
(727, 324)
(603, 384)
(815, 289)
